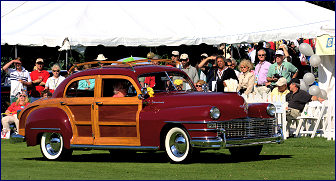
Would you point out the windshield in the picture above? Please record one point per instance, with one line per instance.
(166, 81)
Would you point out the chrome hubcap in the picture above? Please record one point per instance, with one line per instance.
(177, 144)
(53, 143)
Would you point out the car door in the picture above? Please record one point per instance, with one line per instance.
(117, 117)
(78, 100)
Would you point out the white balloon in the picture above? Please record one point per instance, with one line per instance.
(323, 94)
(314, 90)
(306, 49)
(309, 78)
(303, 85)
(315, 60)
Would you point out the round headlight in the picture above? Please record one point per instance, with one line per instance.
(214, 113)
(271, 109)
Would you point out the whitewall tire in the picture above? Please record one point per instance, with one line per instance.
(177, 145)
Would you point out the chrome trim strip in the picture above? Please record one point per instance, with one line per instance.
(52, 129)
(214, 143)
(205, 137)
(107, 147)
(203, 129)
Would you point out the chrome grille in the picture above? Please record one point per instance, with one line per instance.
(248, 128)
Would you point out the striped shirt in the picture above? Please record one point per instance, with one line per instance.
(15, 77)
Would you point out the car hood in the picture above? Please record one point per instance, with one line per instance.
(231, 105)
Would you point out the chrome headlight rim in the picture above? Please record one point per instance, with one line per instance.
(214, 113)
(271, 109)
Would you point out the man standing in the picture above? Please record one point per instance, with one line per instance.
(281, 69)
(188, 69)
(19, 78)
(260, 73)
(39, 78)
(218, 74)
(175, 58)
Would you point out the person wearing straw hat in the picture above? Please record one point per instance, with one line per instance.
(101, 57)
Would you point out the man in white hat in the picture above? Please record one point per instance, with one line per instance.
(188, 69)
(101, 57)
(281, 88)
(39, 78)
(175, 55)
(281, 69)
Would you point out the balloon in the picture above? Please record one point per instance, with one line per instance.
(309, 78)
(306, 49)
(323, 94)
(315, 60)
(314, 90)
(303, 85)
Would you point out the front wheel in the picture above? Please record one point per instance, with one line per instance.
(52, 146)
(177, 145)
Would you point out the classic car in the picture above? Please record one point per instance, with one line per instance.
(161, 111)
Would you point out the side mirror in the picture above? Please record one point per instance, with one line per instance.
(144, 94)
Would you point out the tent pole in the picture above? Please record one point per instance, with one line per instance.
(66, 59)
(15, 51)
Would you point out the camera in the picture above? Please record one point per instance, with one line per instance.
(277, 76)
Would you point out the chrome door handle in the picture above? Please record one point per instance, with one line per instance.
(99, 103)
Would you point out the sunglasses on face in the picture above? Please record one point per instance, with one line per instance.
(198, 85)
(243, 67)
(262, 55)
(56, 70)
(22, 95)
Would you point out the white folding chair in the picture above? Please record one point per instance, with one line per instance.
(310, 119)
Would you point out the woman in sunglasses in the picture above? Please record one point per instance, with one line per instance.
(54, 81)
(246, 78)
(11, 112)
(199, 85)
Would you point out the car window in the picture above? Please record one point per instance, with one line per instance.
(81, 88)
(166, 81)
(117, 88)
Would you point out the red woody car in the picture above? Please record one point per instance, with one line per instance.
(159, 110)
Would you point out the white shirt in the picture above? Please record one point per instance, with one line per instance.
(53, 83)
(14, 77)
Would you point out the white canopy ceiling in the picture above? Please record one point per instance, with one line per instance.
(154, 23)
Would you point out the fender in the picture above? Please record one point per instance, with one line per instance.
(258, 110)
(150, 129)
(48, 119)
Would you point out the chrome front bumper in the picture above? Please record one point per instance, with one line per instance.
(222, 142)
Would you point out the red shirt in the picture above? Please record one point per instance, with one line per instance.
(34, 75)
(150, 81)
(13, 108)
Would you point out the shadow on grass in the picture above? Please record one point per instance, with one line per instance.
(160, 157)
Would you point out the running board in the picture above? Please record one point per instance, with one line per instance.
(112, 147)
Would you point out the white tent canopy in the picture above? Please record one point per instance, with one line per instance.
(154, 23)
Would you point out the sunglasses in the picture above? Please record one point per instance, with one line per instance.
(56, 70)
(22, 95)
(262, 55)
(243, 67)
(198, 85)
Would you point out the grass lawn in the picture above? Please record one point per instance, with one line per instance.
(296, 159)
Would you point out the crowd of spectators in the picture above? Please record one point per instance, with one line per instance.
(262, 68)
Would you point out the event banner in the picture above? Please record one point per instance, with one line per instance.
(325, 45)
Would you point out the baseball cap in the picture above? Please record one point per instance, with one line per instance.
(184, 56)
(282, 81)
(279, 52)
(175, 53)
(39, 60)
(204, 55)
(295, 80)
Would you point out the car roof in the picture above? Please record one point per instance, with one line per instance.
(135, 70)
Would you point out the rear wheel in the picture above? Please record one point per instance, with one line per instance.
(52, 147)
(177, 145)
(248, 152)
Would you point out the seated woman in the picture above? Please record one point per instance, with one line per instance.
(120, 89)
(199, 85)
(11, 112)
(246, 78)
